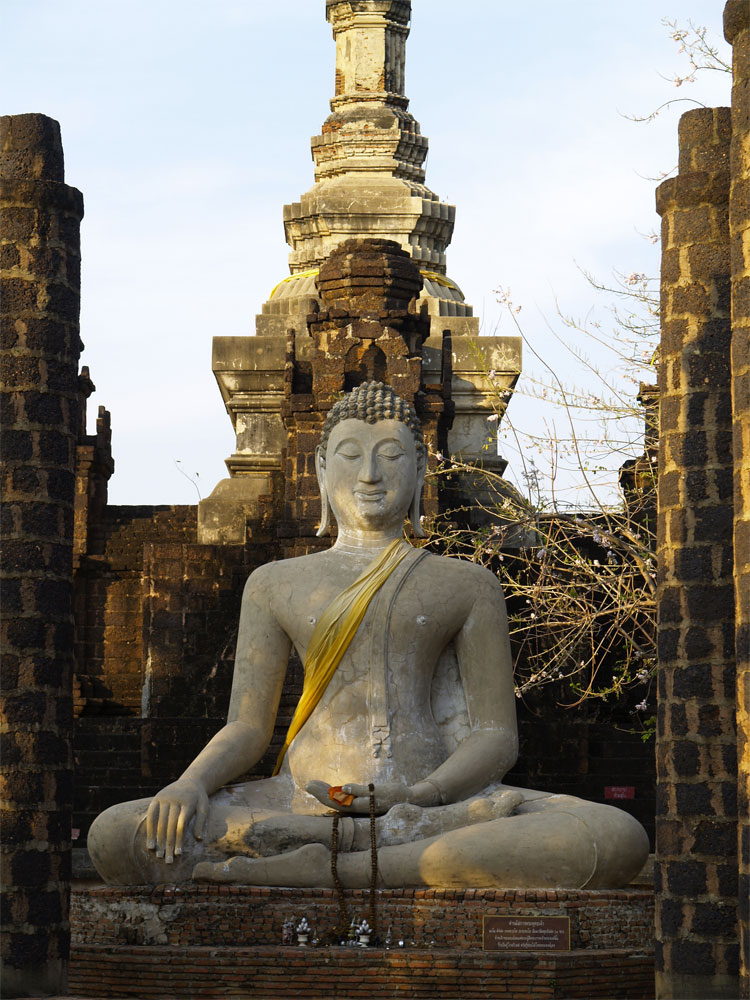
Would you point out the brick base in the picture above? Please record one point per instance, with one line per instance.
(216, 941)
(271, 972)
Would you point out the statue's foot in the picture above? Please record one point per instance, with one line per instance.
(308, 867)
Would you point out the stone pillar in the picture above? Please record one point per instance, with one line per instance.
(696, 821)
(737, 31)
(40, 222)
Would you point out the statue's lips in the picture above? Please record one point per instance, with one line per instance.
(362, 495)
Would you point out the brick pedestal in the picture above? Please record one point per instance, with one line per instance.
(215, 941)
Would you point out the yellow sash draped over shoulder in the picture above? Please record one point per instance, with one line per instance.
(333, 633)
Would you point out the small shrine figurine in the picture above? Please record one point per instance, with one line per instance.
(364, 931)
(288, 932)
(303, 932)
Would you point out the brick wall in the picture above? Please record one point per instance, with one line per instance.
(574, 752)
(109, 599)
(696, 817)
(737, 31)
(40, 250)
(272, 973)
(222, 915)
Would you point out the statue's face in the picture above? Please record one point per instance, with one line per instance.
(370, 473)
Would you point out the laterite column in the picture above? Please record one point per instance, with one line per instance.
(737, 31)
(39, 242)
(696, 821)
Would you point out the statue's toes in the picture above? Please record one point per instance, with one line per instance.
(205, 871)
(505, 803)
(405, 812)
(481, 810)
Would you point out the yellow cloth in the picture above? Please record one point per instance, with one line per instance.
(333, 633)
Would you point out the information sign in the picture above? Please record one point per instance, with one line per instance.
(527, 933)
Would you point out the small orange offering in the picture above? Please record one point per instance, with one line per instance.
(337, 793)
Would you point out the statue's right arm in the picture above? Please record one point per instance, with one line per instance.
(259, 668)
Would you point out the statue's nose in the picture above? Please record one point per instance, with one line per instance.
(369, 471)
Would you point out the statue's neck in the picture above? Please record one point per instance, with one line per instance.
(360, 543)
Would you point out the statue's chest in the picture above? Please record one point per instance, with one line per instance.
(384, 680)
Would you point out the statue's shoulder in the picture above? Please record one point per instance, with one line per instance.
(282, 569)
(459, 572)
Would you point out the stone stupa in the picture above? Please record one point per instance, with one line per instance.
(369, 184)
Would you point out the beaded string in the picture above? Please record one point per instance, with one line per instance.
(334, 872)
(373, 859)
(373, 866)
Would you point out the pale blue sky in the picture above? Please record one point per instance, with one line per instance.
(187, 126)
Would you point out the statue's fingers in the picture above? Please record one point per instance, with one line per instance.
(356, 790)
(174, 816)
(320, 790)
(180, 830)
(161, 830)
(201, 815)
(151, 818)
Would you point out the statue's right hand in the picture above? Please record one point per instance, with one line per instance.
(169, 814)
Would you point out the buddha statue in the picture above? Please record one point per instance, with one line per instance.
(407, 715)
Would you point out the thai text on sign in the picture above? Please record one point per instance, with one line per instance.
(526, 933)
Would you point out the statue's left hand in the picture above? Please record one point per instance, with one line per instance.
(387, 795)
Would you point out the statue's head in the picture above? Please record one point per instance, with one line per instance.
(371, 461)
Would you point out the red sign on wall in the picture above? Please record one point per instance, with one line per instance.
(619, 792)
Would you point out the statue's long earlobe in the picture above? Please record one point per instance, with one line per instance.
(325, 507)
(414, 515)
(325, 514)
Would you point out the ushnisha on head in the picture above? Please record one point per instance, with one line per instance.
(371, 460)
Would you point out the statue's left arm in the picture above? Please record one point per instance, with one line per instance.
(484, 659)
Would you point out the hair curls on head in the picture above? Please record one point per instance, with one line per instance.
(371, 402)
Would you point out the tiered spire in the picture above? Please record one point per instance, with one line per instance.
(369, 159)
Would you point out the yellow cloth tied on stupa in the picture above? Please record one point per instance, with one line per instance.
(333, 633)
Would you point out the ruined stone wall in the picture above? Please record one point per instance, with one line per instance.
(109, 604)
(737, 31)
(156, 621)
(696, 821)
(40, 217)
(154, 611)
